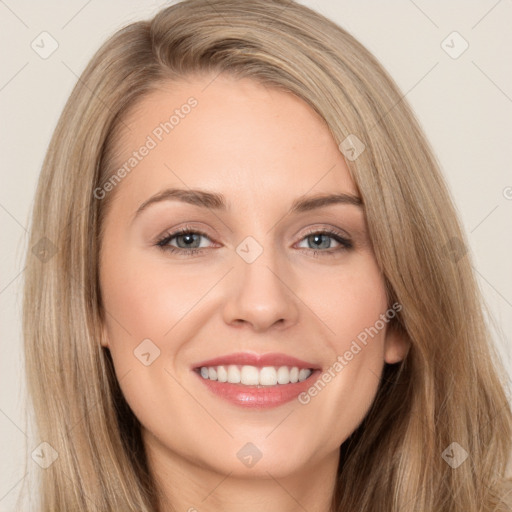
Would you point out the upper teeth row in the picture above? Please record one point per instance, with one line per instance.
(252, 375)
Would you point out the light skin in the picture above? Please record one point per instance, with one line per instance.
(305, 296)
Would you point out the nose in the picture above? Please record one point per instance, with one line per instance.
(261, 294)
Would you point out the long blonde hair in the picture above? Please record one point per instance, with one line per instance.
(449, 389)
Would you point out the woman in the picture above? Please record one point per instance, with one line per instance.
(253, 287)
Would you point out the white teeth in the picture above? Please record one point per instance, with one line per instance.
(222, 374)
(268, 376)
(253, 376)
(233, 374)
(283, 375)
(304, 374)
(249, 376)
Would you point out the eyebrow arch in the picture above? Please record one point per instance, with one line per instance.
(217, 201)
(305, 204)
(195, 197)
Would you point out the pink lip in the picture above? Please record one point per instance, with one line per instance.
(258, 360)
(259, 397)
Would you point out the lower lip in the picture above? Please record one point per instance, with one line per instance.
(260, 397)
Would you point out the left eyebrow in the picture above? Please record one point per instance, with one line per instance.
(308, 203)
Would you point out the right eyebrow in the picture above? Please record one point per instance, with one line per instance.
(195, 197)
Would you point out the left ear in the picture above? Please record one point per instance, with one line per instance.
(396, 345)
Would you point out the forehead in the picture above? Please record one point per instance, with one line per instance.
(229, 134)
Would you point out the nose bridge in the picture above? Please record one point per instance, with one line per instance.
(259, 293)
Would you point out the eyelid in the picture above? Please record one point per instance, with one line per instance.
(173, 233)
(339, 235)
(311, 230)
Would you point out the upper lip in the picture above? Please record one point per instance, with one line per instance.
(259, 360)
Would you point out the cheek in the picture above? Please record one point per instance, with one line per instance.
(350, 304)
(349, 301)
(143, 302)
(148, 299)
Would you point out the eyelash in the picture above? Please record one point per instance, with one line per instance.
(162, 243)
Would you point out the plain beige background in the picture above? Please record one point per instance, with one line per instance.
(462, 97)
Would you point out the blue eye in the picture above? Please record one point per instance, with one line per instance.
(188, 242)
(318, 239)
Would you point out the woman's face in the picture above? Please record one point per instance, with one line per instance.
(254, 275)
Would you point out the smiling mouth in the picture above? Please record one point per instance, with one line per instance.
(248, 375)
